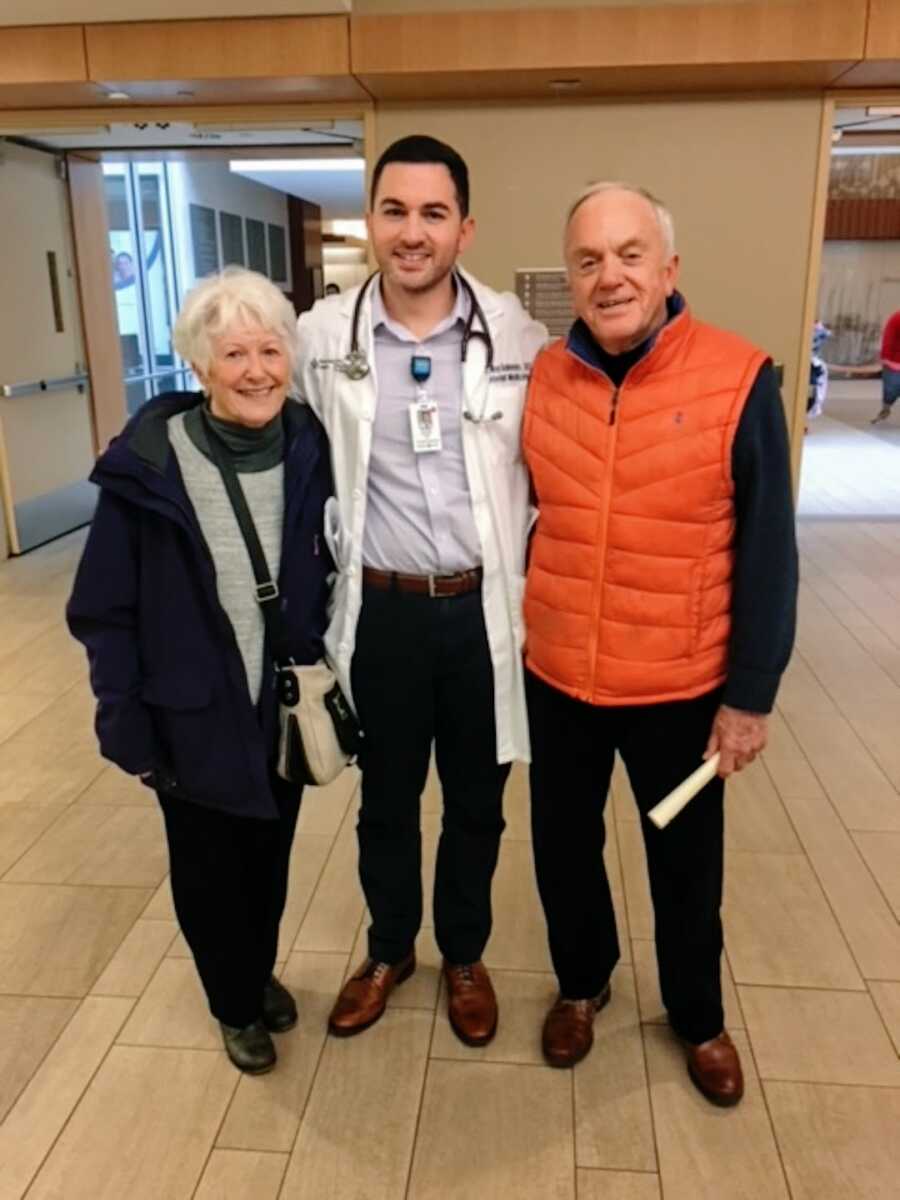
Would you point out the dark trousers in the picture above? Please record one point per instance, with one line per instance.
(573, 746)
(422, 674)
(229, 885)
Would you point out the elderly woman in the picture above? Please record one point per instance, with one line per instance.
(165, 602)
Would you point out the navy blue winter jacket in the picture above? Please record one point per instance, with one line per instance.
(169, 679)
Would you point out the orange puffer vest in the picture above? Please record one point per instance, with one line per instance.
(628, 596)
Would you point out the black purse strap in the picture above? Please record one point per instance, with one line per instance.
(266, 590)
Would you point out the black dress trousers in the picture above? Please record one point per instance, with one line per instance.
(573, 747)
(422, 675)
(229, 879)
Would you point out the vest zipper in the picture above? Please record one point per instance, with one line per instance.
(614, 407)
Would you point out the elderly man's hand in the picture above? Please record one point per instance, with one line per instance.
(738, 736)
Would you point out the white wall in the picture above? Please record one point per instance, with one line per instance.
(860, 288)
(211, 184)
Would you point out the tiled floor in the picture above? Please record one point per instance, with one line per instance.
(113, 1083)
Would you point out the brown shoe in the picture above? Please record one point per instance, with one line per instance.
(569, 1029)
(471, 1003)
(715, 1069)
(363, 998)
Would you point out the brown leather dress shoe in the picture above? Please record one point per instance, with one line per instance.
(471, 1003)
(569, 1029)
(715, 1069)
(363, 998)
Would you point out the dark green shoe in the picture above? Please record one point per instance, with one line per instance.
(279, 1009)
(250, 1049)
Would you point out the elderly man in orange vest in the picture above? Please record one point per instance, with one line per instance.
(660, 609)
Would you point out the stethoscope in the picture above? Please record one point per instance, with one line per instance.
(355, 365)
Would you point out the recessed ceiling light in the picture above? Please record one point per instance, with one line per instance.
(565, 85)
(117, 96)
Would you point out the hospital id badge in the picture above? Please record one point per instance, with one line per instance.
(425, 425)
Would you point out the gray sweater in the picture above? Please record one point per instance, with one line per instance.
(264, 490)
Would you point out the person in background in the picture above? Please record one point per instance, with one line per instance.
(165, 602)
(890, 367)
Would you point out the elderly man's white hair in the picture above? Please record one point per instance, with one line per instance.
(663, 216)
(229, 298)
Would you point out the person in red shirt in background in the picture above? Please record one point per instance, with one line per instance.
(890, 367)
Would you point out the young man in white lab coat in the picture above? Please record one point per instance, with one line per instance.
(419, 378)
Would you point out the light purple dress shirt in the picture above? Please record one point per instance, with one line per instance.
(419, 517)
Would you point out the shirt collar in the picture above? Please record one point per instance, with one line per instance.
(582, 344)
(458, 316)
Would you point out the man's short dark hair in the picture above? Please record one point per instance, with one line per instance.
(420, 148)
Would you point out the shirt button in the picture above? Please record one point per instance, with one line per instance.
(357, 494)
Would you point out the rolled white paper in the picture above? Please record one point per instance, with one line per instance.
(661, 814)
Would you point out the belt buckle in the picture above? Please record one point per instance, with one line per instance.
(431, 592)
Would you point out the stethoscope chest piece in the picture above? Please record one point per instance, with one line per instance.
(355, 366)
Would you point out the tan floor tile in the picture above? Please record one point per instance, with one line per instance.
(113, 847)
(30, 1024)
(308, 858)
(132, 966)
(860, 907)
(421, 989)
(709, 1153)
(113, 786)
(492, 1130)
(781, 743)
(55, 941)
(44, 665)
(617, 1185)
(160, 907)
(34, 1122)
(322, 809)
(887, 1001)
(360, 1122)
(332, 918)
(116, 1144)
(613, 1128)
(623, 804)
(860, 791)
(650, 1000)
(794, 777)
(522, 1000)
(818, 1037)
(173, 1011)
(517, 804)
(68, 720)
(519, 938)
(778, 926)
(431, 832)
(634, 876)
(18, 708)
(20, 827)
(265, 1112)
(242, 1175)
(882, 853)
(837, 1143)
(754, 815)
(27, 776)
(876, 727)
(801, 693)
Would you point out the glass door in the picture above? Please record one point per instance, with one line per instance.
(140, 235)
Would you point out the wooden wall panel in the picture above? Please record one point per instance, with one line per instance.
(881, 64)
(862, 218)
(42, 54)
(278, 47)
(98, 306)
(465, 49)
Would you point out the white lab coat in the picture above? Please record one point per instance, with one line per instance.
(498, 481)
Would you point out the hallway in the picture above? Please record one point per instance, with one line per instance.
(113, 1082)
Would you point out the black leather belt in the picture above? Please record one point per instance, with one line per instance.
(435, 586)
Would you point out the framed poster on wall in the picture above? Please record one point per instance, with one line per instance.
(277, 254)
(204, 240)
(231, 228)
(256, 246)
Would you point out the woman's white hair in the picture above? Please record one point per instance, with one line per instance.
(663, 216)
(230, 298)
